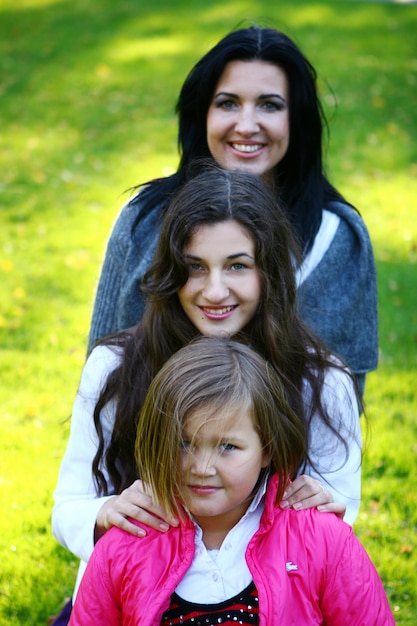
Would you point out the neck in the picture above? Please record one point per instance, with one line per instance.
(213, 539)
(215, 528)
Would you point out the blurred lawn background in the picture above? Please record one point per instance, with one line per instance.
(87, 95)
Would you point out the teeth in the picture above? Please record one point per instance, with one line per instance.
(221, 311)
(244, 147)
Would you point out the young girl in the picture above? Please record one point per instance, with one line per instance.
(216, 423)
(223, 267)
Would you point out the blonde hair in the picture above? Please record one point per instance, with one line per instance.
(222, 376)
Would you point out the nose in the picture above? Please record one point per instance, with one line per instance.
(247, 121)
(201, 463)
(215, 289)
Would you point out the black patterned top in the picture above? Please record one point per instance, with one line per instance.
(241, 609)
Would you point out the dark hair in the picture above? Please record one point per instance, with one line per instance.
(225, 378)
(214, 196)
(275, 331)
(302, 186)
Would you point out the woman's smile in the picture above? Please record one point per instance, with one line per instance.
(218, 313)
(223, 289)
(248, 118)
(247, 149)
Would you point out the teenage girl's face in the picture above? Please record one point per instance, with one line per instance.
(223, 289)
(221, 460)
(248, 118)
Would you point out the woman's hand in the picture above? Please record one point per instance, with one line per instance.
(306, 492)
(134, 502)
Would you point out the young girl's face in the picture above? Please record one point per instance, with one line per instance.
(223, 290)
(221, 460)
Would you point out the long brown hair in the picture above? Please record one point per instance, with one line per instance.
(276, 332)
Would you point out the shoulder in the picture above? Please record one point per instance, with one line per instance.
(126, 546)
(350, 219)
(128, 215)
(340, 401)
(312, 540)
(100, 363)
(116, 537)
(310, 532)
(343, 210)
(310, 525)
(326, 528)
(132, 209)
(337, 381)
(104, 357)
(123, 552)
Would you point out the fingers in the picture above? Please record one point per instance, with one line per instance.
(114, 518)
(133, 503)
(146, 510)
(339, 508)
(305, 492)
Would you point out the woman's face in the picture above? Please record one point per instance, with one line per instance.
(248, 118)
(223, 289)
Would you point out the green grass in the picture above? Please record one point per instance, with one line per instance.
(87, 92)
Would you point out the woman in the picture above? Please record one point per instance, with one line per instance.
(251, 103)
(223, 267)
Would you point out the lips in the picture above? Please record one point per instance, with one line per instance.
(218, 313)
(247, 148)
(203, 490)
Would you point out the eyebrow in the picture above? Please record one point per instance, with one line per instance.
(266, 96)
(236, 255)
(263, 96)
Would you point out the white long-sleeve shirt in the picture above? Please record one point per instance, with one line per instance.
(76, 501)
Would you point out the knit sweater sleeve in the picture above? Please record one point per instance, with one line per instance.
(120, 301)
(338, 299)
(107, 301)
